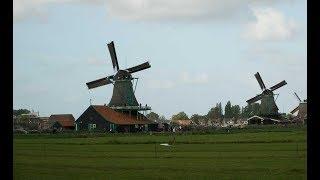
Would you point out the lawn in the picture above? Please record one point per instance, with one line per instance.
(234, 155)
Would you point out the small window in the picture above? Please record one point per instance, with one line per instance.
(91, 126)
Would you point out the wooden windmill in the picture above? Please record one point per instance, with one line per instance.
(268, 107)
(123, 98)
(301, 109)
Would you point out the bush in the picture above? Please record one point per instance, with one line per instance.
(20, 131)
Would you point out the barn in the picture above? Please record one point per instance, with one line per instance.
(105, 119)
(62, 121)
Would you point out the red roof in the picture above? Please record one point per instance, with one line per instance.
(183, 122)
(120, 118)
(66, 120)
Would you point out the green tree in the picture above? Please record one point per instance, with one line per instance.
(20, 111)
(220, 113)
(162, 118)
(152, 116)
(236, 111)
(251, 110)
(180, 116)
(215, 112)
(195, 118)
(228, 110)
(255, 108)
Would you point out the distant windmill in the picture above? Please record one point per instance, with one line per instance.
(268, 107)
(301, 108)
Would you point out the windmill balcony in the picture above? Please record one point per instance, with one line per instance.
(138, 108)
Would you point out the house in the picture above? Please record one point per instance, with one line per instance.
(44, 123)
(182, 123)
(163, 125)
(62, 121)
(104, 118)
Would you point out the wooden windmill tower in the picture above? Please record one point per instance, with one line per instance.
(123, 98)
(268, 107)
(301, 109)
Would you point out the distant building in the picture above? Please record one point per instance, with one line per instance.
(184, 122)
(163, 125)
(62, 121)
(104, 118)
(44, 123)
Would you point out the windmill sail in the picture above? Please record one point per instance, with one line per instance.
(113, 55)
(259, 79)
(140, 67)
(98, 82)
(279, 85)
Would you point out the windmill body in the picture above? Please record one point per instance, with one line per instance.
(123, 94)
(268, 107)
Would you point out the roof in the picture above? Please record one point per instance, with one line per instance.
(261, 118)
(182, 122)
(255, 116)
(64, 119)
(120, 118)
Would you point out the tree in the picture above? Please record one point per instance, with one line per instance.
(152, 116)
(20, 111)
(215, 112)
(195, 118)
(255, 108)
(236, 111)
(228, 110)
(219, 110)
(251, 110)
(180, 116)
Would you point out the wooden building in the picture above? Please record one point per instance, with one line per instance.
(106, 119)
(62, 121)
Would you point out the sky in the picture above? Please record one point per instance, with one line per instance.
(201, 52)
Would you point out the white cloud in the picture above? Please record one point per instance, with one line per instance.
(148, 10)
(201, 78)
(24, 9)
(270, 24)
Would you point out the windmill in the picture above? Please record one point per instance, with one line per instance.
(123, 98)
(301, 108)
(268, 107)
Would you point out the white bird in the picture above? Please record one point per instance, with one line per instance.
(165, 144)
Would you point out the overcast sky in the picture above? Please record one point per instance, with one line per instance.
(201, 52)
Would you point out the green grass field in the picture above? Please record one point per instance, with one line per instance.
(235, 155)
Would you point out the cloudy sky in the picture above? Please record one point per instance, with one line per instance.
(201, 52)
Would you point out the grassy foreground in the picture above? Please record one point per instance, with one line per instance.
(246, 155)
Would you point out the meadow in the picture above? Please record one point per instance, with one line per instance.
(265, 153)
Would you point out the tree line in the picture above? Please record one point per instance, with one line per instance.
(17, 112)
(215, 113)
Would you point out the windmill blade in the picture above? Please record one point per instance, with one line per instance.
(140, 67)
(254, 99)
(295, 110)
(259, 79)
(279, 85)
(99, 82)
(297, 96)
(113, 55)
